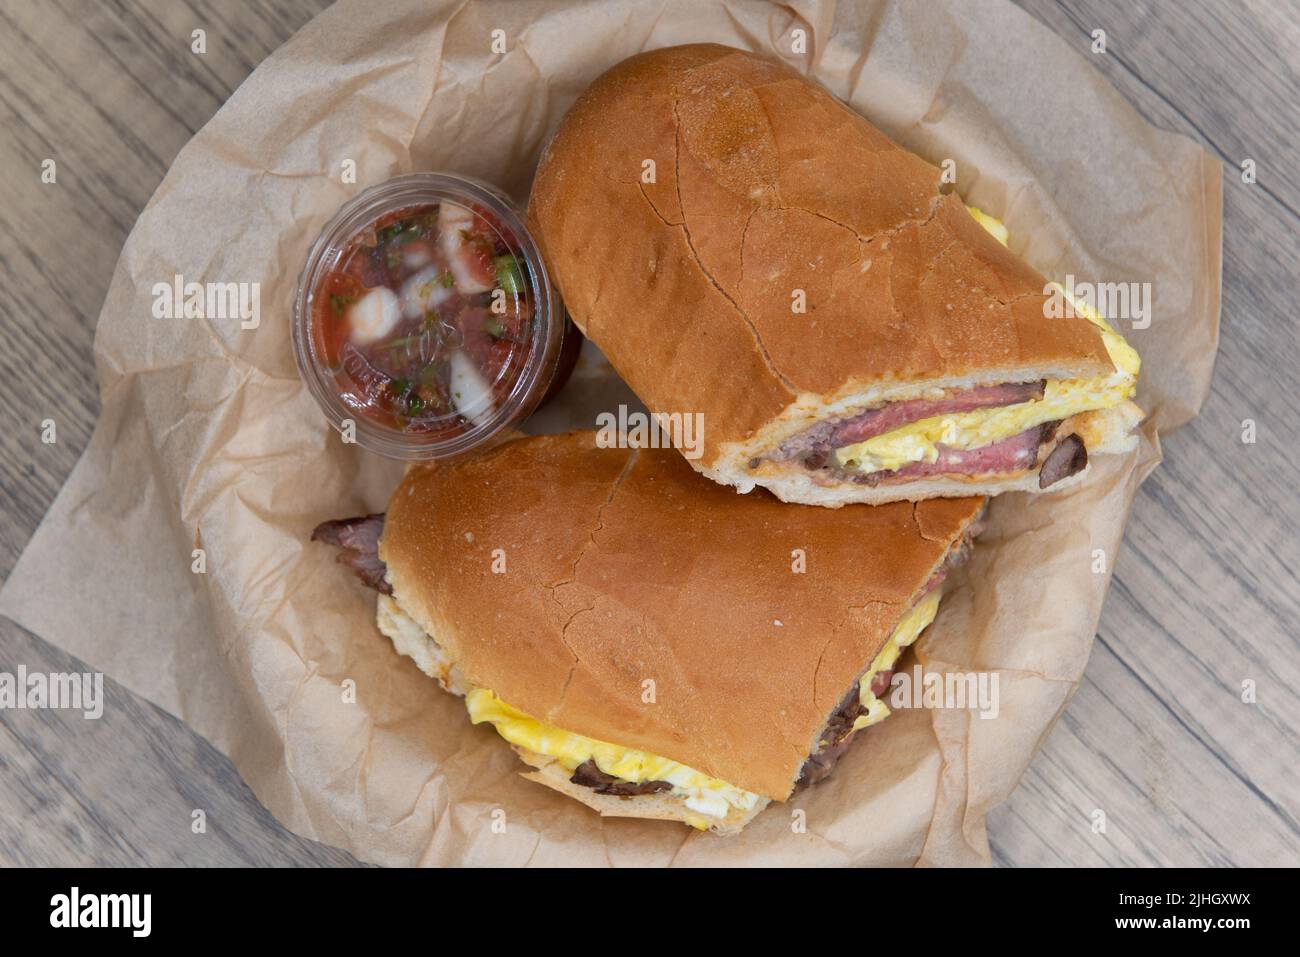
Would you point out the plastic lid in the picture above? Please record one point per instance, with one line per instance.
(425, 323)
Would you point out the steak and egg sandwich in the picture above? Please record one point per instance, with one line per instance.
(652, 644)
(739, 243)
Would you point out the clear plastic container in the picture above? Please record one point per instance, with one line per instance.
(425, 323)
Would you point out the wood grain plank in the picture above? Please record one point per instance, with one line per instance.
(122, 789)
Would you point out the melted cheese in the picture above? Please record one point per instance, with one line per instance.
(1062, 398)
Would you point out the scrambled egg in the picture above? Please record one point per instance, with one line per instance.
(707, 796)
(919, 441)
(908, 630)
(703, 794)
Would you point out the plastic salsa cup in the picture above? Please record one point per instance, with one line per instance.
(425, 323)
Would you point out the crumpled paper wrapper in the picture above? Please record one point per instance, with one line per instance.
(208, 438)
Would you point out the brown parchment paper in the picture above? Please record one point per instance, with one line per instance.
(208, 438)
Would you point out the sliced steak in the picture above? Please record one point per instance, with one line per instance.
(589, 775)
(359, 540)
(880, 682)
(834, 739)
(815, 444)
(897, 414)
(841, 720)
(838, 733)
(1065, 460)
(1009, 455)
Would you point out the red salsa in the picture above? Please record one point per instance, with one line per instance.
(425, 319)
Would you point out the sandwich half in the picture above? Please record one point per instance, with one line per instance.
(651, 644)
(742, 245)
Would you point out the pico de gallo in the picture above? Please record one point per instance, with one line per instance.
(425, 318)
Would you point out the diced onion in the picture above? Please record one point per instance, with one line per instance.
(424, 291)
(452, 223)
(470, 392)
(374, 315)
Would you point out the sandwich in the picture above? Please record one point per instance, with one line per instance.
(741, 245)
(651, 644)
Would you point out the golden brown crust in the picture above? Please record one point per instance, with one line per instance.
(624, 567)
(764, 183)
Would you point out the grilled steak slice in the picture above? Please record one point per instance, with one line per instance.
(590, 776)
(837, 737)
(815, 444)
(1069, 457)
(1009, 455)
(359, 540)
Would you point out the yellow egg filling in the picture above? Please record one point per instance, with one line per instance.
(908, 630)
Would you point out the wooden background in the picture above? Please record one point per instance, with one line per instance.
(1206, 594)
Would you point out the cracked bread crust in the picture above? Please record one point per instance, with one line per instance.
(624, 567)
(764, 185)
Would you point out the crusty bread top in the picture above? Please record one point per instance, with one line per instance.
(764, 184)
(625, 567)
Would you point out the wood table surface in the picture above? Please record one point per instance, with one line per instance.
(1205, 597)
